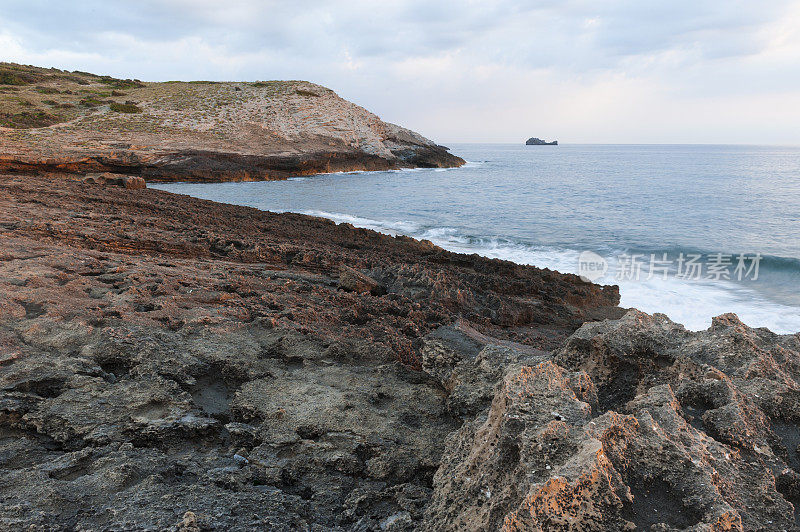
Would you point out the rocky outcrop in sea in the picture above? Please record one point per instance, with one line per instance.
(533, 141)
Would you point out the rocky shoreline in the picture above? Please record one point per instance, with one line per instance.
(173, 363)
(198, 166)
(68, 124)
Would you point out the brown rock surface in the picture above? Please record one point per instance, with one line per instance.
(355, 281)
(168, 362)
(107, 178)
(172, 363)
(69, 123)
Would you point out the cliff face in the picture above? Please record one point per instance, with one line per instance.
(74, 123)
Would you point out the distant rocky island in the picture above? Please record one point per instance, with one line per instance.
(74, 123)
(533, 141)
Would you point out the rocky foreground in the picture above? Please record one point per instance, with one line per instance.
(74, 123)
(172, 363)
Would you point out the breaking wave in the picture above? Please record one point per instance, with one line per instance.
(690, 302)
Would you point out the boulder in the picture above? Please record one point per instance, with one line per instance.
(134, 183)
(635, 424)
(354, 281)
(119, 180)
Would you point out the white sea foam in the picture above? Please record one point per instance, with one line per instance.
(388, 227)
(692, 303)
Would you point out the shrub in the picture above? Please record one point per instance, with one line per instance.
(11, 78)
(11, 75)
(125, 107)
(28, 119)
(121, 83)
(91, 102)
(303, 92)
(47, 90)
(68, 78)
(93, 93)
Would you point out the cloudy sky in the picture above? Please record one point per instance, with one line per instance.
(705, 71)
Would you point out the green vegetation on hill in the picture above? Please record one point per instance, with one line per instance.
(27, 119)
(34, 97)
(125, 108)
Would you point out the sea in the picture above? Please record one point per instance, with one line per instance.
(691, 231)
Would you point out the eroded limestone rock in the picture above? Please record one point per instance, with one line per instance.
(635, 423)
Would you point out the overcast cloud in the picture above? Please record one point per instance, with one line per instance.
(580, 71)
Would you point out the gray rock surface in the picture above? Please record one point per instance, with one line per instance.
(634, 424)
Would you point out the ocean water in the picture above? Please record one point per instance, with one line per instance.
(648, 211)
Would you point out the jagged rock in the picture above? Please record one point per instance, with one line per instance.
(134, 183)
(528, 464)
(355, 281)
(468, 366)
(635, 423)
(107, 178)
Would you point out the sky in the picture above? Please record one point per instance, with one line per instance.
(593, 71)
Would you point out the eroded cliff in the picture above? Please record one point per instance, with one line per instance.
(57, 122)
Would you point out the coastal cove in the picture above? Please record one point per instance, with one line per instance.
(546, 207)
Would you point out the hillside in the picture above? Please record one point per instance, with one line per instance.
(54, 121)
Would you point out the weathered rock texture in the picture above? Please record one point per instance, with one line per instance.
(76, 123)
(172, 363)
(635, 424)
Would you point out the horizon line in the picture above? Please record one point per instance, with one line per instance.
(560, 143)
